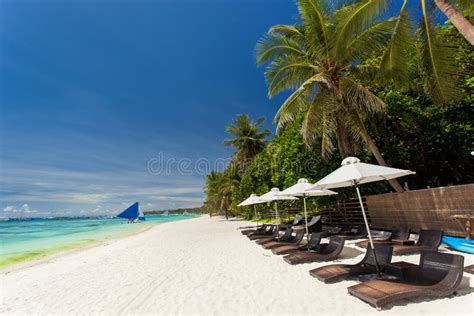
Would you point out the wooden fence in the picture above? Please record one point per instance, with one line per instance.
(344, 213)
(423, 209)
(419, 209)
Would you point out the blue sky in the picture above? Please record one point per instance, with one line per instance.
(93, 91)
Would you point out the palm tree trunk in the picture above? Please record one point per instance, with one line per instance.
(459, 21)
(378, 156)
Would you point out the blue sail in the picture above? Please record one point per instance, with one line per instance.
(130, 213)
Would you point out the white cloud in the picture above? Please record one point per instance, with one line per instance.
(25, 208)
(56, 192)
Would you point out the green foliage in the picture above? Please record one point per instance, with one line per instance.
(283, 161)
(419, 128)
(247, 139)
(437, 62)
(431, 138)
(219, 189)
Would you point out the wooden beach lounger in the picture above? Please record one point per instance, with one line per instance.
(397, 234)
(270, 231)
(325, 252)
(427, 240)
(315, 234)
(469, 269)
(314, 240)
(357, 233)
(336, 272)
(438, 275)
(291, 240)
(313, 226)
(297, 221)
(262, 230)
(258, 229)
(286, 236)
(257, 234)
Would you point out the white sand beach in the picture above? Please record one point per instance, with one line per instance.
(196, 266)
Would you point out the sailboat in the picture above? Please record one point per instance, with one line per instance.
(141, 216)
(133, 214)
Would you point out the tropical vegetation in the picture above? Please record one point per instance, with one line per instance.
(247, 139)
(362, 83)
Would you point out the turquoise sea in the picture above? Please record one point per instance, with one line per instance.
(22, 240)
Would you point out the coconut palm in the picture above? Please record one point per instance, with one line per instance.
(248, 139)
(228, 186)
(213, 201)
(315, 58)
(219, 189)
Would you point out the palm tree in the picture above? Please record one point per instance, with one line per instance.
(227, 187)
(316, 59)
(459, 21)
(211, 190)
(247, 139)
(219, 189)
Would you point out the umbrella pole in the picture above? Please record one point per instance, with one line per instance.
(255, 211)
(368, 229)
(278, 220)
(306, 221)
(305, 217)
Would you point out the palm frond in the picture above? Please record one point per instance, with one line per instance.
(395, 61)
(355, 125)
(358, 97)
(313, 13)
(287, 73)
(259, 122)
(286, 30)
(319, 123)
(294, 103)
(370, 40)
(273, 44)
(353, 19)
(363, 72)
(466, 5)
(442, 78)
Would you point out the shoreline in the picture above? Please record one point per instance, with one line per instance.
(66, 249)
(28, 263)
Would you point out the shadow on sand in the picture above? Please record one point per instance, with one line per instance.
(464, 289)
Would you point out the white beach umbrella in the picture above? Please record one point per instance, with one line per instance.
(353, 173)
(300, 189)
(272, 196)
(253, 199)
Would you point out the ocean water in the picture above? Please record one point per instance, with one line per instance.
(22, 240)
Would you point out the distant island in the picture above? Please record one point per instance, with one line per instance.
(193, 210)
